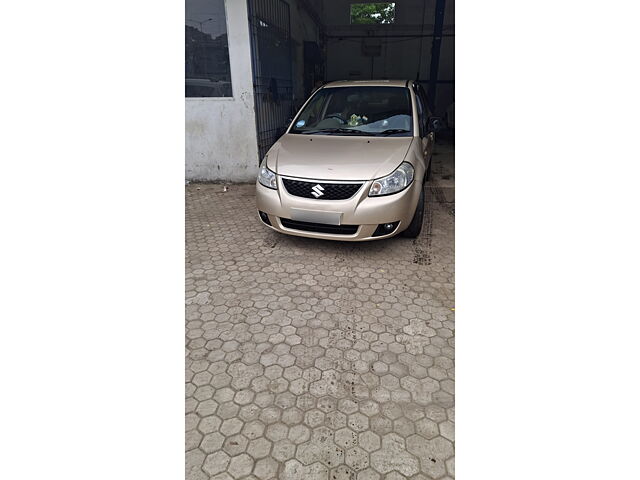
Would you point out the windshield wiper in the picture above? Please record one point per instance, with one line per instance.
(391, 131)
(341, 130)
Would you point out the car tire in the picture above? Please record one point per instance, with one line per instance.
(414, 228)
(428, 174)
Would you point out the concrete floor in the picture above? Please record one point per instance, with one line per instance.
(311, 359)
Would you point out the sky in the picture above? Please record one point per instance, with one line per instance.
(201, 11)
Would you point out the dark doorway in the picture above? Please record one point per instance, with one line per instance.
(269, 21)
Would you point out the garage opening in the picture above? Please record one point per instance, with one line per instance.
(297, 45)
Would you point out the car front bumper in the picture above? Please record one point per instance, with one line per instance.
(362, 211)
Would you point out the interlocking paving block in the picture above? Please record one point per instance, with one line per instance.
(346, 438)
(241, 466)
(299, 434)
(266, 468)
(316, 360)
(368, 474)
(357, 458)
(212, 442)
(342, 473)
(193, 463)
(216, 462)
(235, 444)
(259, 448)
(295, 470)
(393, 456)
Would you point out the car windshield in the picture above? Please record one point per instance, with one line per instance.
(366, 110)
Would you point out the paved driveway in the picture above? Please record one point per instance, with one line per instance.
(311, 359)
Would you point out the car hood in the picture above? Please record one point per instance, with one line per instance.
(337, 157)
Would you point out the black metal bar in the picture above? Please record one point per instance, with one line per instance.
(419, 35)
(436, 81)
(435, 52)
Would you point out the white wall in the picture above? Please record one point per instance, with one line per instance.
(221, 141)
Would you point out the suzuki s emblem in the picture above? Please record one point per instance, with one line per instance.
(317, 191)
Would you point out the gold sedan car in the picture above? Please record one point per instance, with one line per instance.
(352, 164)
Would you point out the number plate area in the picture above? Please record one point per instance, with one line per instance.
(316, 216)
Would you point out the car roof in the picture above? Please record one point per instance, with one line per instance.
(367, 83)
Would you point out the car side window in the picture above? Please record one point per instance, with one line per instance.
(425, 102)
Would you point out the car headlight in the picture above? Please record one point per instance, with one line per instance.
(266, 177)
(400, 179)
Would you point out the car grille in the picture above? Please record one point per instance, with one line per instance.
(319, 227)
(329, 191)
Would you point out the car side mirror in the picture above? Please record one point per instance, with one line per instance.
(435, 124)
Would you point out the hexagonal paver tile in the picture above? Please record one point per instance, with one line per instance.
(223, 395)
(342, 473)
(327, 404)
(346, 438)
(283, 450)
(427, 428)
(266, 468)
(270, 415)
(221, 380)
(295, 470)
(216, 462)
(380, 425)
(193, 463)
(347, 406)
(322, 435)
(249, 412)
(447, 430)
(292, 416)
(331, 455)
(358, 422)
(403, 427)
(357, 458)
(394, 457)
(394, 476)
(308, 453)
(202, 378)
(369, 441)
(368, 474)
(450, 464)
(244, 397)
(392, 410)
(299, 434)
(277, 431)
(227, 410)
(259, 448)
(432, 453)
(241, 466)
(212, 442)
(335, 420)
(369, 407)
(231, 426)
(253, 429)
(314, 418)
(235, 444)
(209, 424)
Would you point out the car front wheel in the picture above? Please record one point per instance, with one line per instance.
(414, 228)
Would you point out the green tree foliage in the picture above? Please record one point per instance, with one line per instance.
(372, 13)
